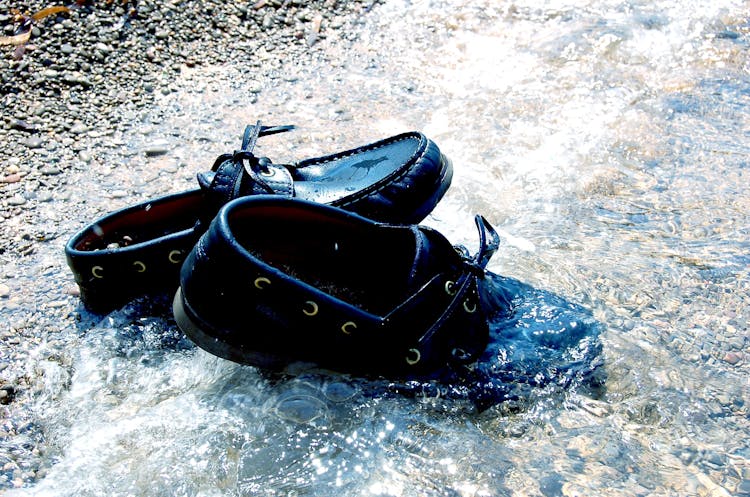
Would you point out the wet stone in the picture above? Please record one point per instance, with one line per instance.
(16, 200)
(4, 291)
(49, 170)
(33, 142)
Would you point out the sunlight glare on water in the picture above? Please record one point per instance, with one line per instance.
(607, 142)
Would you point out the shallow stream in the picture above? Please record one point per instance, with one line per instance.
(608, 143)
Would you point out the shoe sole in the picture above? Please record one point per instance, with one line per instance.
(195, 332)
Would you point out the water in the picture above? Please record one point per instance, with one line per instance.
(607, 142)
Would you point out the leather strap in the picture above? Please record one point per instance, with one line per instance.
(242, 173)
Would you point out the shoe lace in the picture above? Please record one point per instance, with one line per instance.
(254, 166)
(489, 241)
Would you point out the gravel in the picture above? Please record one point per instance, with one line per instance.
(71, 97)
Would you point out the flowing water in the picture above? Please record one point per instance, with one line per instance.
(608, 143)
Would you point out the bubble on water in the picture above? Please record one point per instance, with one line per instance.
(337, 391)
(300, 408)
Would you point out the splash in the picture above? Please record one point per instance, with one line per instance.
(537, 339)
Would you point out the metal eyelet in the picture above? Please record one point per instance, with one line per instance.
(268, 172)
(449, 289)
(261, 282)
(139, 266)
(460, 354)
(175, 256)
(413, 356)
(96, 272)
(348, 327)
(471, 309)
(310, 309)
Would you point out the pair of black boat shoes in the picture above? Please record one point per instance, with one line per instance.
(318, 261)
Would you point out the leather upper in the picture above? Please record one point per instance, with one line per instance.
(290, 280)
(139, 249)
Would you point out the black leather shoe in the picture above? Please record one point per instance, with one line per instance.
(139, 249)
(277, 280)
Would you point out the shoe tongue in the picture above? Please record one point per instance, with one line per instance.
(433, 255)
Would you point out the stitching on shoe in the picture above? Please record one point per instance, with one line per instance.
(350, 153)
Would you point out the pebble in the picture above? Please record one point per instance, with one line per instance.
(33, 142)
(16, 200)
(4, 291)
(732, 358)
(156, 149)
(78, 128)
(66, 48)
(11, 178)
(76, 78)
(49, 170)
(23, 125)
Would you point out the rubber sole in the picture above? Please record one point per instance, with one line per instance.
(208, 342)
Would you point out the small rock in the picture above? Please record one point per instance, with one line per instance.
(66, 48)
(11, 178)
(33, 142)
(49, 170)
(156, 149)
(76, 78)
(78, 128)
(732, 358)
(254, 87)
(104, 48)
(4, 291)
(22, 125)
(16, 200)
(85, 156)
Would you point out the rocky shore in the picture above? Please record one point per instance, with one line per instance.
(80, 65)
(71, 96)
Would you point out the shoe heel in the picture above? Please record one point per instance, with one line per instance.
(233, 352)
